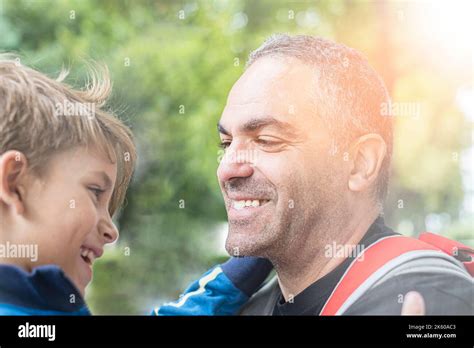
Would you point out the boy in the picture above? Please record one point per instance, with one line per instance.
(65, 165)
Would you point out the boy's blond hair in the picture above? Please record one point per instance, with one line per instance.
(40, 117)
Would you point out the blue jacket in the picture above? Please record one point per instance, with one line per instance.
(222, 290)
(47, 291)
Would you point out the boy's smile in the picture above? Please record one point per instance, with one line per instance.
(88, 255)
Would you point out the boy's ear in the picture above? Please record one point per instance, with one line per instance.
(13, 167)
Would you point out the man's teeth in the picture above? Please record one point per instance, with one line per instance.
(247, 203)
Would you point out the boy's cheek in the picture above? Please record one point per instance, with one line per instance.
(79, 221)
(62, 220)
(67, 229)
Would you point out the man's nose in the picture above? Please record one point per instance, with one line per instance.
(237, 162)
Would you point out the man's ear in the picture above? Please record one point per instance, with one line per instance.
(368, 153)
(13, 166)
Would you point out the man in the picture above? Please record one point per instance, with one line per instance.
(313, 159)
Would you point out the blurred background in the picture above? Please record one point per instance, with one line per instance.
(172, 65)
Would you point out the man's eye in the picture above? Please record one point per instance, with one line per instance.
(224, 144)
(266, 142)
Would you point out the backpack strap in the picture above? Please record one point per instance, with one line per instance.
(373, 263)
(451, 247)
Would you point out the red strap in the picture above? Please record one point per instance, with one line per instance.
(451, 247)
(369, 261)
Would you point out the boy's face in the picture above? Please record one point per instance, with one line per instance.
(66, 213)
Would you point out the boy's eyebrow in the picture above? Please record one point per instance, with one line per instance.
(107, 181)
(257, 123)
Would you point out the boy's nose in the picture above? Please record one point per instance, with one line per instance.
(108, 231)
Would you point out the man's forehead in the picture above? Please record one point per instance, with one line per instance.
(279, 88)
(270, 77)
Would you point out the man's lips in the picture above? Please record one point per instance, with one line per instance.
(244, 207)
(244, 203)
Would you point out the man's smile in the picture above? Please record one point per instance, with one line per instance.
(245, 207)
(247, 203)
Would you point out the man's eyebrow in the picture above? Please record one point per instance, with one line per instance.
(258, 123)
(221, 129)
(255, 124)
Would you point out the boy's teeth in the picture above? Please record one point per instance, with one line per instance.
(245, 204)
(84, 252)
(88, 254)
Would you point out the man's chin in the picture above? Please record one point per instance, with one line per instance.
(246, 244)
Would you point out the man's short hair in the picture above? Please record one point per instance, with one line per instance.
(350, 94)
(40, 117)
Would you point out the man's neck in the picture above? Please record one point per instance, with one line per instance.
(312, 263)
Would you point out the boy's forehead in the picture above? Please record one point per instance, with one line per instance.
(82, 160)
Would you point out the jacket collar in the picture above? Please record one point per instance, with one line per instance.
(46, 288)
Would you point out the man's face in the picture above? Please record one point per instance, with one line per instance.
(278, 176)
(68, 215)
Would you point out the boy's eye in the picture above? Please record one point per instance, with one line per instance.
(96, 191)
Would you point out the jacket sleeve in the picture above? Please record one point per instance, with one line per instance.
(220, 291)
